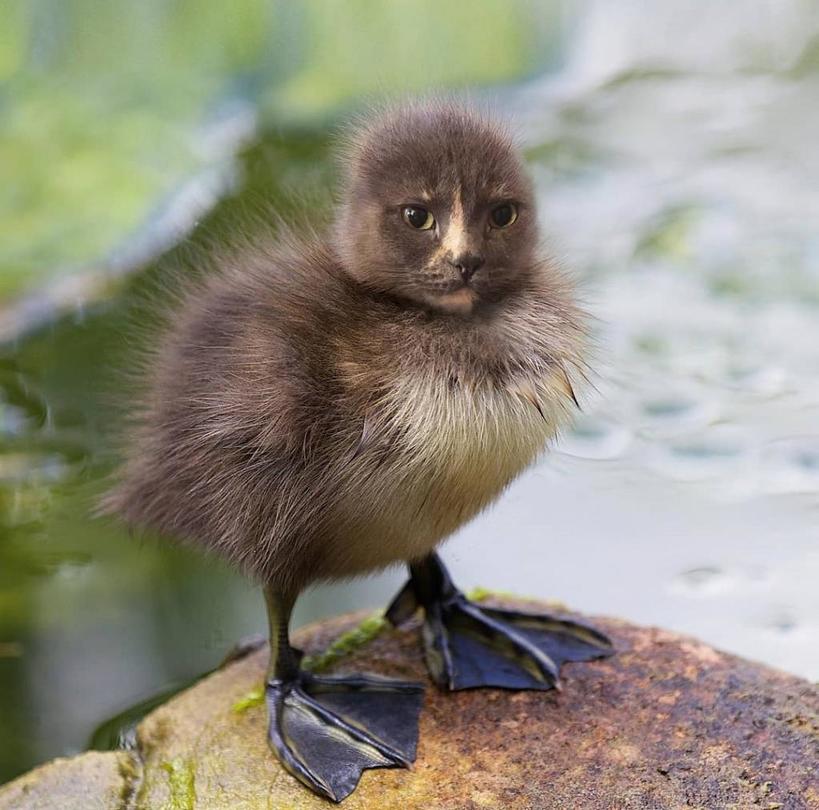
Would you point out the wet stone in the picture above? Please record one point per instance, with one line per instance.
(668, 722)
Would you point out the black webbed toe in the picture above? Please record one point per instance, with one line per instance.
(327, 730)
(469, 646)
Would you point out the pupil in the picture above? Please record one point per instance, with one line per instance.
(417, 217)
(502, 215)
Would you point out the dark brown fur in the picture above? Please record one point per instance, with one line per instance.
(435, 149)
(279, 430)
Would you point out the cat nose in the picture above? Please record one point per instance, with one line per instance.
(467, 264)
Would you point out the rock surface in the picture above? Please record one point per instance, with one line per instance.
(91, 781)
(667, 723)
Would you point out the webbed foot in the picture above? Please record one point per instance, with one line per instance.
(469, 646)
(326, 730)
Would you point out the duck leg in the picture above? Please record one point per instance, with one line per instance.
(326, 730)
(469, 646)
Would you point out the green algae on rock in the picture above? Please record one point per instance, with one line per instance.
(362, 633)
(181, 780)
(347, 643)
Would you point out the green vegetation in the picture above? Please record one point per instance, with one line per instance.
(111, 111)
(181, 778)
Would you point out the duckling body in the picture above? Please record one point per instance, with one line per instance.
(309, 431)
(325, 407)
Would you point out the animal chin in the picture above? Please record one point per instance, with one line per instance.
(458, 301)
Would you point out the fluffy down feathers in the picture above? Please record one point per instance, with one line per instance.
(308, 423)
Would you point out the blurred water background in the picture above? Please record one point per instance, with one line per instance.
(675, 148)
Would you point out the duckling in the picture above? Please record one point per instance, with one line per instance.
(329, 405)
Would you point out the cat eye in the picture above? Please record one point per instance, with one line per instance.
(502, 216)
(418, 217)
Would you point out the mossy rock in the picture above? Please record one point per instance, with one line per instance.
(667, 723)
